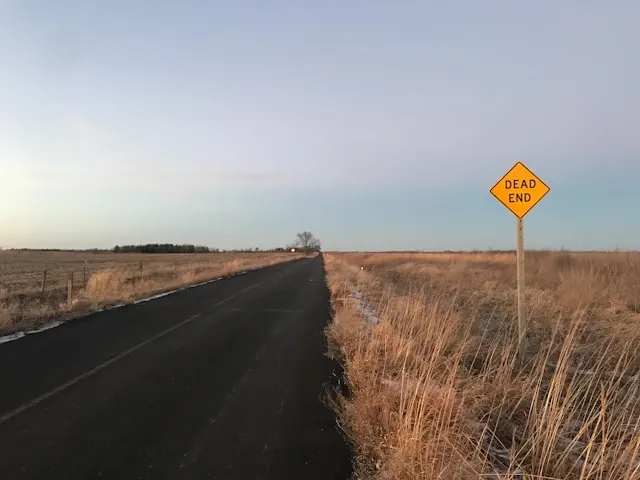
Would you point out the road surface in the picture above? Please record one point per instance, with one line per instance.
(221, 381)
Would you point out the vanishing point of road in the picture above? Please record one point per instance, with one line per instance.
(222, 381)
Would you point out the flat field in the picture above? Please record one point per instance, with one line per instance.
(34, 284)
(437, 389)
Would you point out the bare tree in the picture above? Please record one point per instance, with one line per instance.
(307, 242)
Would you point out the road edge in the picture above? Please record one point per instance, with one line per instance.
(61, 320)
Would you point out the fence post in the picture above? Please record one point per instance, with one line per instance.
(70, 288)
(44, 280)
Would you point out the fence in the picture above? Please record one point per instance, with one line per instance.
(64, 280)
(58, 278)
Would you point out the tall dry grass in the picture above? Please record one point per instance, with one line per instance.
(111, 279)
(436, 389)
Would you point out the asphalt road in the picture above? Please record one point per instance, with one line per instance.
(221, 381)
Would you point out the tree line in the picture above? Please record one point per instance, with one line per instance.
(305, 242)
(163, 248)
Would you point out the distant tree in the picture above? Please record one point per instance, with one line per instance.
(307, 242)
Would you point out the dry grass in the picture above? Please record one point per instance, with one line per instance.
(436, 388)
(103, 279)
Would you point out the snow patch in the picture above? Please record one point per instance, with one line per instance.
(367, 312)
(49, 326)
(153, 297)
(18, 335)
(13, 336)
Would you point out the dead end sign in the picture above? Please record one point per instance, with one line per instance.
(519, 190)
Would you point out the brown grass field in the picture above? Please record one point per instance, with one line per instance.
(102, 279)
(436, 390)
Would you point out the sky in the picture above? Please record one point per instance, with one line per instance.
(374, 125)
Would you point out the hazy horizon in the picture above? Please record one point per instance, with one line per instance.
(381, 127)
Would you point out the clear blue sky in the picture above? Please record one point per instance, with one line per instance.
(375, 125)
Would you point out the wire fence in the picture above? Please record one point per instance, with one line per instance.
(49, 279)
(28, 277)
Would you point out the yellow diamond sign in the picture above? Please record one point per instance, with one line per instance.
(519, 190)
